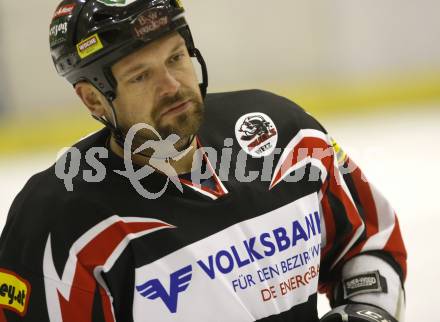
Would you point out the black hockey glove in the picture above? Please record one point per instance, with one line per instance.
(357, 313)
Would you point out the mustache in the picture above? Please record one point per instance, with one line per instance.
(181, 95)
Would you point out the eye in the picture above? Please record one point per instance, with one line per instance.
(177, 57)
(140, 78)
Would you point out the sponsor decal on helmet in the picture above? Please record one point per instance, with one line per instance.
(89, 46)
(256, 133)
(149, 22)
(64, 11)
(58, 30)
(14, 292)
(116, 3)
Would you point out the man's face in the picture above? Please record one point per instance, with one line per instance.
(157, 85)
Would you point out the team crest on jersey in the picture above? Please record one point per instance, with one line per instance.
(256, 133)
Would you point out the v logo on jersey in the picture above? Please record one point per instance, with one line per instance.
(179, 282)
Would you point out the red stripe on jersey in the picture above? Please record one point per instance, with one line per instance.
(369, 206)
(396, 247)
(102, 246)
(307, 147)
(352, 213)
(2, 316)
(96, 253)
(219, 191)
(336, 244)
(106, 306)
(373, 205)
(366, 198)
(329, 225)
(351, 210)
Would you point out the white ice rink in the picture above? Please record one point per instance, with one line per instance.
(400, 154)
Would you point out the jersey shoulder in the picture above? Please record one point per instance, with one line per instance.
(43, 204)
(249, 100)
(231, 105)
(224, 110)
(47, 188)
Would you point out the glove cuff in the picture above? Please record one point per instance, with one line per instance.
(358, 313)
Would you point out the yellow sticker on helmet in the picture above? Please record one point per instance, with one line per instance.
(14, 292)
(89, 46)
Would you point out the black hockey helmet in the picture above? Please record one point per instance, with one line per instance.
(88, 36)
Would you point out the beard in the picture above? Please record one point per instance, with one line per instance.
(185, 125)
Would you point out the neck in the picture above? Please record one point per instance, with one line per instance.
(182, 164)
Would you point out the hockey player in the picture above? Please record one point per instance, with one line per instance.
(190, 207)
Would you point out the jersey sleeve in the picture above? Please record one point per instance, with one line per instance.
(363, 254)
(36, 282)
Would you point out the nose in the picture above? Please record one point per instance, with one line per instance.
(167, 84)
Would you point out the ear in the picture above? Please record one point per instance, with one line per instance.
(92, 98)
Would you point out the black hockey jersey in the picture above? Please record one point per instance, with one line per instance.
(281, 222)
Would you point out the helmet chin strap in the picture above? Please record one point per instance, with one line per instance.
(204, 85)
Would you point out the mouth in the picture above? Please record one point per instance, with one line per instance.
(176, 108)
